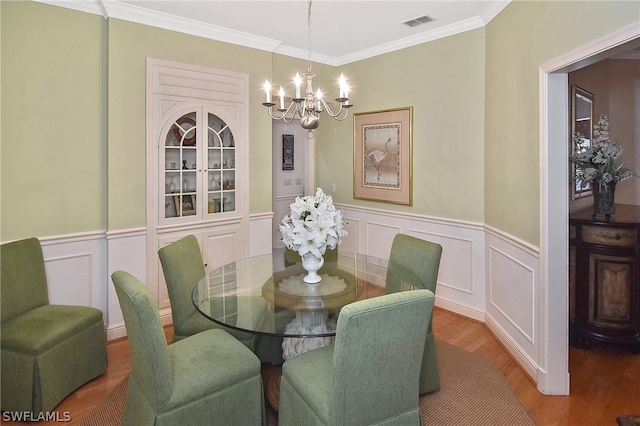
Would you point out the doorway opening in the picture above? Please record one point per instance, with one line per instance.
(554, 201)
(293, 170)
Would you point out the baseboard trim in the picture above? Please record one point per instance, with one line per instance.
(528, 365)
(459, 309)
(119, 330)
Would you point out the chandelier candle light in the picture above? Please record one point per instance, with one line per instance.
(309, 107)
(312, 226)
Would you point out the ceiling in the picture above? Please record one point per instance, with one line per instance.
(341, 31)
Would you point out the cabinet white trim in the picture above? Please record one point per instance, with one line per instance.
(197, 183)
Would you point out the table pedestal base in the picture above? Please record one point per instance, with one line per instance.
(307, 322)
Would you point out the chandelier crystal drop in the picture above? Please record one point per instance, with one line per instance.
(309, 107)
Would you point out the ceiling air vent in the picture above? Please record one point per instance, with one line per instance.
(418, 21)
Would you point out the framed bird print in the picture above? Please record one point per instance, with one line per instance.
(383, 156)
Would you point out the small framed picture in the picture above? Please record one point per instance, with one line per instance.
(287, 152)
(383, 156)
(187, 204)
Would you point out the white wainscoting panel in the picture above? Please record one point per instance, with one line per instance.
(75, 267)
(350, 243)
(512, 284)
(127, 252)
(260, 234)
(511, 291)
(378, 238)
(484, 273)
(461, 275)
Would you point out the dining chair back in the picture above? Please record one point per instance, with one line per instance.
(415, 262)
(208, 378)
(370, 375)
(183, 268)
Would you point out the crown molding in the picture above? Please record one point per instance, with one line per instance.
(304, 54)
(87, 6)
(144, 16)
(131, 13)
(446, 31)
(459, 27)
(139, 15)
(491, 11)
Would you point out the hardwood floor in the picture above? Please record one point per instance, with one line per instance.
(605, 381)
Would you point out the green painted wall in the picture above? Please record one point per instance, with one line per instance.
(63, 73)
(73, 111)
(53, 121)
(129, 46)
(444, 83)
(524, 36)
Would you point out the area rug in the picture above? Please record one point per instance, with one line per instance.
(473, 392)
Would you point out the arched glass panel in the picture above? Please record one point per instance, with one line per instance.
(221, 172)
(180, 154)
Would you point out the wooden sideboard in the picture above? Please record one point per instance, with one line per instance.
(604, 292)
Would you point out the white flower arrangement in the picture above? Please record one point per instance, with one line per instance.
(313, 225)
(597, 163)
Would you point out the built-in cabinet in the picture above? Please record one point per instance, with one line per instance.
(604, 288)
(199, 173)
(197, 164)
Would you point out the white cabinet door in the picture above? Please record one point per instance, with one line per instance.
(221, 245)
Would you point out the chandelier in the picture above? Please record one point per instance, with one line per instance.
(309, 107)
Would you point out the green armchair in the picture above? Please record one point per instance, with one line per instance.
(371, 374)
(47, 351)
(415, 262)
(206, 379)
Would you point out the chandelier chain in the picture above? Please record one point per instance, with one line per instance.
(309, 36)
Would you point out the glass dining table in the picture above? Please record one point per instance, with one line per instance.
(265, 295)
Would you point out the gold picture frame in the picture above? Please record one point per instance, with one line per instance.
(383, 157)
(581, 122)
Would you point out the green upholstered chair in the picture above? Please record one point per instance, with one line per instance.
(415, 262)
(370, 375)
(48, 351)
(206, 379)
(183, 268)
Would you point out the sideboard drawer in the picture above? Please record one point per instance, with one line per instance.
(621, 237)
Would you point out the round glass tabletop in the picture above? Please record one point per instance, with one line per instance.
(265, 295)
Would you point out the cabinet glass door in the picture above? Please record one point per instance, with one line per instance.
(221, 163)
(180, 167)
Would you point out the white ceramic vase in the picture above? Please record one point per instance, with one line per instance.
(311, 263)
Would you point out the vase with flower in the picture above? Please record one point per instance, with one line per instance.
(312, 226)
(597, 165)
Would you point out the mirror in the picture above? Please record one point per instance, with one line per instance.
(582, 124)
